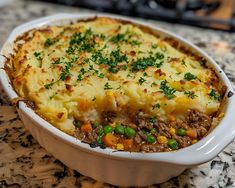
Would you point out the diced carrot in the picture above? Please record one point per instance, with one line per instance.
(84, 104)
(192, 133)
(110, 140)
(86, 127)
(128, 143)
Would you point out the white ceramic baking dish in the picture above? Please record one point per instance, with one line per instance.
(107, 165)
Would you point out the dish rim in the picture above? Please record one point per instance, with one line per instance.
(204, 150)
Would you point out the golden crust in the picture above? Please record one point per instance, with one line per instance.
(102, 64)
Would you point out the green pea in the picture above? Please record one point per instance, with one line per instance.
(181, 132)
(96, 124)
(108, 129)
(129, 132)
(173, 144)
(119, 129)
(151, 139)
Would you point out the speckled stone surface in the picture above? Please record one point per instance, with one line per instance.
(23, 163)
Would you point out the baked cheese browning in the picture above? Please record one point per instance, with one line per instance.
(81, 71)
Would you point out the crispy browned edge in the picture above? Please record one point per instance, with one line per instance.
(170, 40)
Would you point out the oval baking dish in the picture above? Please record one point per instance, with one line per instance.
(111, 166)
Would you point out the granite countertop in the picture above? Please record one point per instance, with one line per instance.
(23, 163)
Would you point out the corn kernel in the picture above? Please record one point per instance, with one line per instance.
(120, 147)
(194, 141)
(172, 130)
(162, 139)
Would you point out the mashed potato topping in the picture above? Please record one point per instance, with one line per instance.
(80, 70)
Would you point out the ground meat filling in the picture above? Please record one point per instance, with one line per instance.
(143, 133)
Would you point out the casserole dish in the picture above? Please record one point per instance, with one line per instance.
(120, 168)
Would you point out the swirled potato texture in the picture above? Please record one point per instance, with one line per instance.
(82, 69)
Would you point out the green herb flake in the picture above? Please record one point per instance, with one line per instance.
(154, 46)
(101, 75)
(156, 106)
(169, 92)
(114, 58)
(190, 94)
(145, 62)
(56, 62)
(129, 76)
(79, 78)
(135, 42)
(49, 42)
(118, 38)
(107, 86)
(183, 63)
(52, 96)
(141, 80)
(214, 95)
(145, 74)
(38, 55)
(94, 98)
(189, 76)
(81, 42)
(66, 71)
(153, 84)
(124, 67)
(48, 86)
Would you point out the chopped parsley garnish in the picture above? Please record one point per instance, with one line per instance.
(48, 86)
(124, 67)
(118, 38)
(135, 42)
(79, 78)
(189, 76)
(81, 42)
(52, 96)
(102, 36)
(145, 62)
(145, 74)
(153, 84)
(49, 42)
(141, 80)
(78, 37)
(168, 91)
(107, 86)
(94, 98)
(156, 106)
(82, 71)
(56, 62)
(190, 94)
(214, 95)
(118, 56)
(125, 37)
(66, 71)
(112, 60)
(154, 46)
(129, 76)
(38, 55)
(184, 63)
(101, 75)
